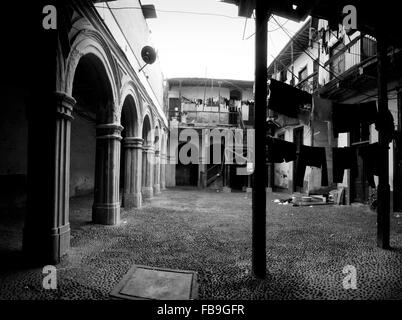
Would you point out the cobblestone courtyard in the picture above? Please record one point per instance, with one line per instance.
(210, 232)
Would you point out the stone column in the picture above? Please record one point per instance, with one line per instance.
(106, 207)
(157, 164)
(132, 196)
(147, 171)
(47, 230)
(163, 171)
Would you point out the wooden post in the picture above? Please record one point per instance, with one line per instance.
(383, 219)
(260, 170)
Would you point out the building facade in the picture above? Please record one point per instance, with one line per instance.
(79, 119)
(340, 66)
(204, 105)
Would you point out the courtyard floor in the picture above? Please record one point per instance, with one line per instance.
(210, 232)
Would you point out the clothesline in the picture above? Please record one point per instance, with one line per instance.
(279, 151)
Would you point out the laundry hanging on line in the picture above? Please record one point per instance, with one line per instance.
(286, 99)
(280, 150)
(343, 158)
(370, 156)
(349, 117)
(311, 156)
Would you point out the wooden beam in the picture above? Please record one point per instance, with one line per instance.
(383, 209)
(260, 170)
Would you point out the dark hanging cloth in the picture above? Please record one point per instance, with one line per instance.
(349, 117)
(311, 156)
(286, 99)
(385, 123)
(343, 158)
(369, 153)
(280, 150)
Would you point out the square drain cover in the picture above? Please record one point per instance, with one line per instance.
(142, 282)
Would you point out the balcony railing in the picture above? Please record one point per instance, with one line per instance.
(354, 53)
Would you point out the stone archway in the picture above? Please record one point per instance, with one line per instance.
(93, 92)
(157, 162)
(131, 155)
(148, 153)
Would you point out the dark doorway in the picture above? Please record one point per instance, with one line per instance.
(298, 134)
(186, 174)
(359, 187)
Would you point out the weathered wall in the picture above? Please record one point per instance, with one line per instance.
(132, 34)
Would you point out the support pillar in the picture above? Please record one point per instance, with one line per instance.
(383, 209)
(226, 184)
(106, 207)
(157, 164)
(260, 169)
(163, 171)
(46, 236)
(132, 196)
(147, 171)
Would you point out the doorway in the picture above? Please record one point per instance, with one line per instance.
(298, 134)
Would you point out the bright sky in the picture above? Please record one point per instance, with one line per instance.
(191, 45)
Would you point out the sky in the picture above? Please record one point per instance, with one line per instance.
(205, 45)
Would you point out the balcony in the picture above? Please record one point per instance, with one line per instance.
(357, 52)
(348, 69)
(208, 115)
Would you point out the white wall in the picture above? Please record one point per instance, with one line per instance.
(137, 35)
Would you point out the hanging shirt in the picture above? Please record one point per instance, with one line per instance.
(349, 117)
(280, 150)
(343, 158)
(311, 156)
(286, 99)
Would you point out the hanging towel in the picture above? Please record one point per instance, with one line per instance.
(343, 158)
(286, 99)
(311, 156)
(280, 150)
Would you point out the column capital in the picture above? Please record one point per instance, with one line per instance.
(62, 103)
(109, 131)
(133, 143)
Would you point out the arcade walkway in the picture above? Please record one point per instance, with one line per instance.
(209, 232)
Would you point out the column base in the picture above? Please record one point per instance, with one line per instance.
(132, 200)
(147, 192)
(163, 186)
(41, 247)
(157, 189)
(106, 213)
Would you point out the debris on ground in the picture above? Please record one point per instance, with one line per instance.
(305, 200)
